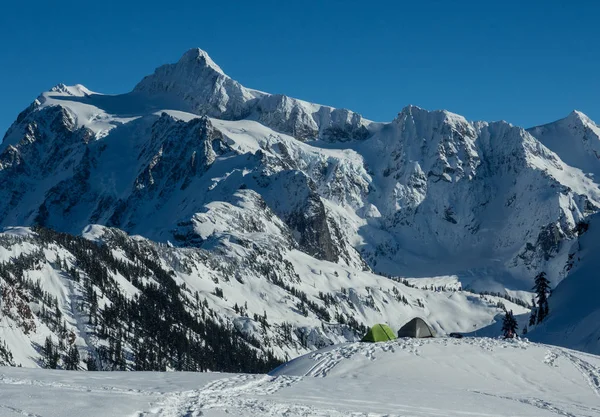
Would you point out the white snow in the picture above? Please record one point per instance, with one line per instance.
(84, 113)
(416, 378)
(574, 307)
(576, 139)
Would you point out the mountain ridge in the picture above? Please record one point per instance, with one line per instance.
(428, 147)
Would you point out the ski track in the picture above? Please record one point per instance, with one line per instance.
(590, 372)
(232, 394)
(328, 360)
(248, 394)
(538, 403)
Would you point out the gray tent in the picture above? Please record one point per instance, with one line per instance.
(416, 328)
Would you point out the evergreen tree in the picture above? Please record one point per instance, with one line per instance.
(542, 289)
(533, 316)
(72, 359)
(91, 363)
(50, 354)
(509, 325)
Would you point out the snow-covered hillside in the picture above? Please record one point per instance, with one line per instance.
(108, 289)
(575, 305)
(420, 378)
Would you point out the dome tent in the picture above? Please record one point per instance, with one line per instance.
(379, 333)
(417, 328)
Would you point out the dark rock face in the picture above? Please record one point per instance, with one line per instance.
(311, 223)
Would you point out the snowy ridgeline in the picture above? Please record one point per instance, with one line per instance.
(427, 194)
(110, 301)
(420, 378)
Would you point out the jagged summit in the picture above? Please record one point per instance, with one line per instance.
(197, 85)
(411, 112)
(77, 90)
(199, 57)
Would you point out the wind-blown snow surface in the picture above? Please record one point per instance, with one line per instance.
(416, 378)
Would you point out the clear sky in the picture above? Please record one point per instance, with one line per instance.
(528, 62)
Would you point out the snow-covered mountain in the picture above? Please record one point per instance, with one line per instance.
(292, 206)
(165, 307)
(426, 194)
(575, 139)
(197, 85)
(574, 304)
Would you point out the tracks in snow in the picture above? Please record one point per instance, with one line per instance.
(247, 395)
(535, 402)
(326, 361)
(19, 411)
(238, 392)
(590, 372)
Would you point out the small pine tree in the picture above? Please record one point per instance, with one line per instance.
(533, 316)
(509, 325)
(91, 363)
(542, 289)
(50, 354)
(72, 359)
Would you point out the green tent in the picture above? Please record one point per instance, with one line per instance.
(379, 333)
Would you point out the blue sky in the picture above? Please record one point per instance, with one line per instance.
(528, 62)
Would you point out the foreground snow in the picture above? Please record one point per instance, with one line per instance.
(437, 377)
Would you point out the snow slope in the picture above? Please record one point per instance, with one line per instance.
(574, 304)
(417, 378)
(576, 139)
(299, 304)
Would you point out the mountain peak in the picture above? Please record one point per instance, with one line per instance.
(409, 109)
(77, 90)
(412, 111)
(198, 56)
(579, 117)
